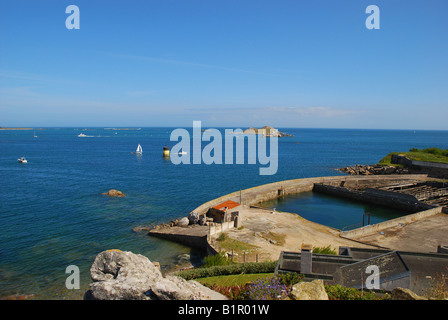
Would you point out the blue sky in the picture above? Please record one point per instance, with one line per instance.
(227, 63)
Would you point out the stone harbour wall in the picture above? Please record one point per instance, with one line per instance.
(255, 195)
(376, 228)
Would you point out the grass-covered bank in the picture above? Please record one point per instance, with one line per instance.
(428, 154)
(257, 281)
(267, 286)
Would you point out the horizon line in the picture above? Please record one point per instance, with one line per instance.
(220, 127)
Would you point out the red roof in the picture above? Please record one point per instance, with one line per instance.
(229, 204)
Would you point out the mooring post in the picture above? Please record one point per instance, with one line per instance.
(368, 218)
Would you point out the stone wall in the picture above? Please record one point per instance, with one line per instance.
(381, 197)
(376, 228)
(433, 169)
(275, 190)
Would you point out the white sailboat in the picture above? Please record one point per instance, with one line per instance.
(139, 149)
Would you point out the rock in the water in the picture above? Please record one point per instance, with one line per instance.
(183, 222)
(405, 294)
(314, 290)
(121, 275)
(114, 193)
(182, 258)
(141, 228)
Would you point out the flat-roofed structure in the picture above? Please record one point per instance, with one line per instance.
(224, 212)
(417, 271)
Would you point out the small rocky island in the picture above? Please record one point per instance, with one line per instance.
(114, 193)
(266, 131)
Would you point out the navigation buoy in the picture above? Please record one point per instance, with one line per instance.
(166, 152)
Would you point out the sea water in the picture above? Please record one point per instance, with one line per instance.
(53, 213)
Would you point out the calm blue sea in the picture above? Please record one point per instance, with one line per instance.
(52, 213)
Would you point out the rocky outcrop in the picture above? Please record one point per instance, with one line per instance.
(191, 220)
(123, 275)
(268, 131)
(314, 290)
(114, 193)
(374, 170)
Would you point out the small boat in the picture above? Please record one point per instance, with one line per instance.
(182, 152)
(139, 150)
(22, 160)
(81, 135)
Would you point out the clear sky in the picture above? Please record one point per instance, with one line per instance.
(228, 63)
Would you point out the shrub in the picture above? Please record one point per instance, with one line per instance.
(290, 278)
(216, 260)
(232, 292)
(223, 270)
(325, 250)
(222, 237)
(266, 289)
(338, 292)
(439, 287)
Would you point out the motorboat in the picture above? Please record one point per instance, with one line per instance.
(22, 160)
(81, 135)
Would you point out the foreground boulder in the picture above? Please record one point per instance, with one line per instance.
(314, 290)
(122, 275)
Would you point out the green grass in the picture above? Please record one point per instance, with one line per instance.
(338, 292)
(226, 243)
(428, 154)
(228, 269)
(233, 280)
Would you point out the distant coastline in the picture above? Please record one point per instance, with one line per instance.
(1, 128)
